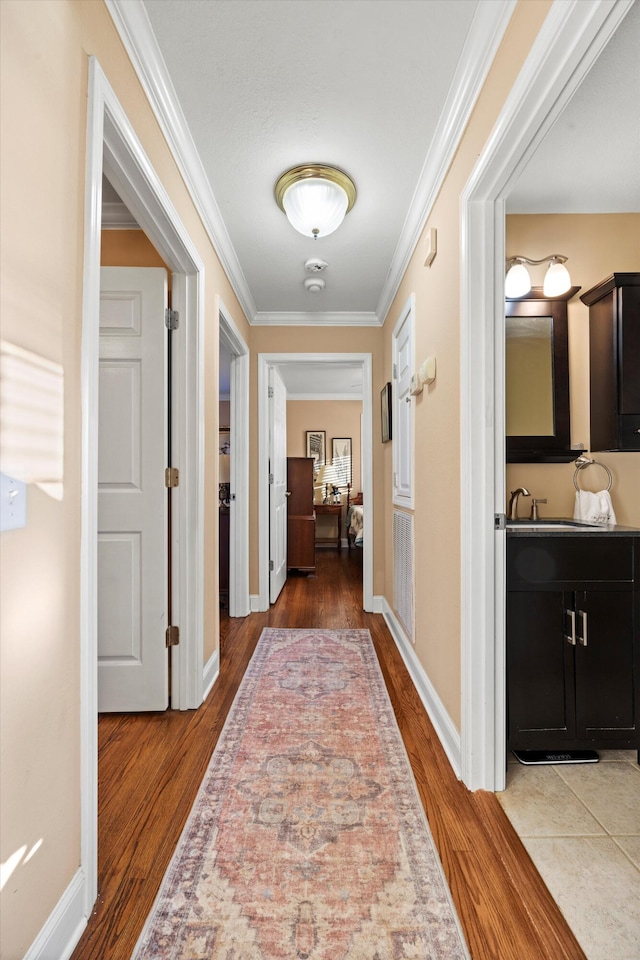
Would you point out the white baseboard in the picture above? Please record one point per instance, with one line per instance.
(210, 674)
(379, 605)
(447, 732)
(254, 603)
(60, 935)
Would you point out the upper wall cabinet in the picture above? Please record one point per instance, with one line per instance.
(614, 350)
(538, 423)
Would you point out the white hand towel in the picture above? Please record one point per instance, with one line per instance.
(596, 507)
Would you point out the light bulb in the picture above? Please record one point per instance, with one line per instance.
(315, 207)
(556, 280)
(517, 281)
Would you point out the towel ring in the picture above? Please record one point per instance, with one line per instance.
(583, 462)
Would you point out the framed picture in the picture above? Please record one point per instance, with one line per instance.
(341, 460)
(385, 412)
(316, 443)
(224, 443)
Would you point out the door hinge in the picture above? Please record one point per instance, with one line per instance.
(171, 319)
(270, 392)
(270, 478)
(172, 636)
(500, 521)
(272, 565)
(395, 372)
(171, 477)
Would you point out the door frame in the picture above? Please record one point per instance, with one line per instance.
(113, 147)
(265, 360)
(239, 603)
(569, 42)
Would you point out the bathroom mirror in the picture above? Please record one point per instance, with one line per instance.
(538, 425)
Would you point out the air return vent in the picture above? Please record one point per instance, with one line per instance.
(403, 578)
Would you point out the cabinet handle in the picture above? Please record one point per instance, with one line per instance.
(583, 638)
(571, 638)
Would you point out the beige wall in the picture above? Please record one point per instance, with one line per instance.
(44, 63)
(437, 409)
(224, 407)
(129, 248)
(597, 245)
(338, 418)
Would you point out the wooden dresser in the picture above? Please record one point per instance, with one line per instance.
(301, 518)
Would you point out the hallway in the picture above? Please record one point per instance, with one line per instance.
(150, 767)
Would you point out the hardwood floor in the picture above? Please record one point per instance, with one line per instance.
(150, 767)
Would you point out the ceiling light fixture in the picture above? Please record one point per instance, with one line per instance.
(518, 282)
(315, 198)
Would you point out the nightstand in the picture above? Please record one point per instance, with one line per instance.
(330, 510)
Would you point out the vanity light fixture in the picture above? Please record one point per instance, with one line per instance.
(518, 282)
(315, 198)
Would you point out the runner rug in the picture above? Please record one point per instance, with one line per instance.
(307, 840)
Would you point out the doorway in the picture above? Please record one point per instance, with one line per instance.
(282, 361)
(234, 382)
(114, 150)
(569, 43)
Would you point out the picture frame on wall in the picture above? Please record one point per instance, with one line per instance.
(316, 447)
(385, 412)
(224, 444)
(341, 459)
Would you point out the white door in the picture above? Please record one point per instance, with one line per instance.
(132, 498)
(402, 434)
(277, 488)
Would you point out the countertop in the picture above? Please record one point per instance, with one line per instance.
(526, 528)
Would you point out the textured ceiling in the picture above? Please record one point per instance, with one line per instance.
(268, 85)
(590, 160)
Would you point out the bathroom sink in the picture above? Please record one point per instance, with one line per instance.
(554, 525)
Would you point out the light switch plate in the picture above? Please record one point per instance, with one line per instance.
(430, 246)
(13, 503)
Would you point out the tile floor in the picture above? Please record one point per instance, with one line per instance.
(580, 824)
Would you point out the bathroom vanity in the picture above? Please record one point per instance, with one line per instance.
(573, 623)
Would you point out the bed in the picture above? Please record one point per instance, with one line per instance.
(354, 519)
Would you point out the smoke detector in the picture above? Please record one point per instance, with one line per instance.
(315, 265)
(314, 284)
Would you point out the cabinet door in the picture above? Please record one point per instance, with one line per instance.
(604, 664)
(300, 486)
(629, 350)
(541, 699)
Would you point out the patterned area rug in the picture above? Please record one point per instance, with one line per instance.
(307, 840)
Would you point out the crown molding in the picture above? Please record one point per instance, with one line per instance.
(485, 34)
(116, 216)
(317, 319)
(133, 26)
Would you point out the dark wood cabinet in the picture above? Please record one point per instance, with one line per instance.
(573, 608)
(301, 518)
(614, 364)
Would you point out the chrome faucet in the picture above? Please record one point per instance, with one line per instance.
(512, 513)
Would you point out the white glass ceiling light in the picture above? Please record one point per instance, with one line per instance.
(315, 198)
(518, 282)
(556, 279)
